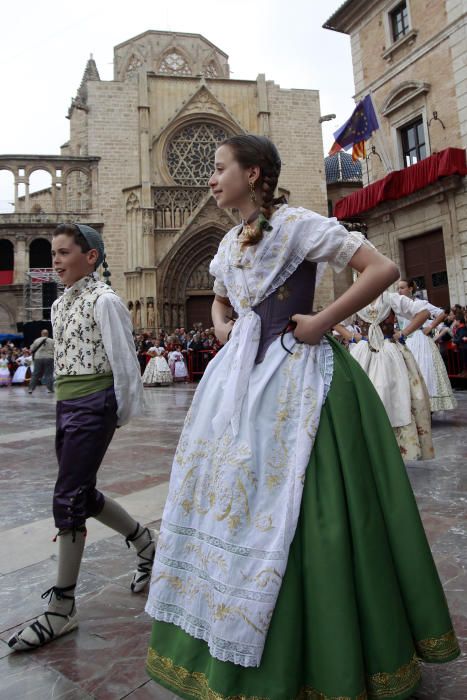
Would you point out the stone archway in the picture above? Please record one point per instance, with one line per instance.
(186, 283)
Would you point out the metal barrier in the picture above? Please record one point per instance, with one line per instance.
(198, 360)
(453, 360)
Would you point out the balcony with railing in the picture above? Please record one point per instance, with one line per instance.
(42, 188)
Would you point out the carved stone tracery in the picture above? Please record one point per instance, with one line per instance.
(133, 64)
(210, 70)
(173, 206)
(174, 63)
(200, 279)
(190, 152)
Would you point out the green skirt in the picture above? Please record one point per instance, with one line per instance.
(361, 602)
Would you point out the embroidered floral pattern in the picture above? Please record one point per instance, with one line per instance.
(78, 342)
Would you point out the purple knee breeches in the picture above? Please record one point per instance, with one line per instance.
(85, 427)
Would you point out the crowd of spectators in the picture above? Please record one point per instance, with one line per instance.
(451, 338)
(11, 359)
(197, 345)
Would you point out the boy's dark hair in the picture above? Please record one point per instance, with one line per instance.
(74, 232)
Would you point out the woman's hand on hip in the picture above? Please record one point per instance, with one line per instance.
(223, 331)
(309, 329)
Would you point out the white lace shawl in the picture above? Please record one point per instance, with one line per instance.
(249, 275)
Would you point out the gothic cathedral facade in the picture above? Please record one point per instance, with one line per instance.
(137, 164)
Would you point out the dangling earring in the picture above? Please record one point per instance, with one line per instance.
(251, 185)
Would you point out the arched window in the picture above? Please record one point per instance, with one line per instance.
(6, 261)
(40, 191)
(7, 192)
(190, 152)
(133, 64)
(40, 255)
(78, 191)
(210, 70)
(174, 63)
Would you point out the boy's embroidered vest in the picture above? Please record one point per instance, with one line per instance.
(78, 342)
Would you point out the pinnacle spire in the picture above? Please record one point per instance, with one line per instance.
(90, 73)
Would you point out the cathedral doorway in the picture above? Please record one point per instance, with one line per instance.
(186, 284)
(198, 310)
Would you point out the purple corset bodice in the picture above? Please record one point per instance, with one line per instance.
(295, 296)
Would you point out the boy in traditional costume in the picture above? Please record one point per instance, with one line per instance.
(98, 388)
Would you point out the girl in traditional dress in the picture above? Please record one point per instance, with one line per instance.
(177, 365)
(157, 372)
(22, 373)
(292, 561)
(426, 353)
(5, 376)
(394, 372)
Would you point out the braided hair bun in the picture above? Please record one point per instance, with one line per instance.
(250, 150)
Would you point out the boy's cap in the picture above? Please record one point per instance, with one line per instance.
(94, 240)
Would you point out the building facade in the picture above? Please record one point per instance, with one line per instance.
(411, 56)
(136, 167)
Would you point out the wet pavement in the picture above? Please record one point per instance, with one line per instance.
(104, 659)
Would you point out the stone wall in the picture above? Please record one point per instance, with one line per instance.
(113, 135)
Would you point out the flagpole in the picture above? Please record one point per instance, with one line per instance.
(377, 137)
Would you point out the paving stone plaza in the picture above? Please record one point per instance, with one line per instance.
(105, 658)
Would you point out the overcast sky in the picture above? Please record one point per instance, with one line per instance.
(44, 47)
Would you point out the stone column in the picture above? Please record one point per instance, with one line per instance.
(26, 195)
(20, 261)
(263, 107)
(144, 144)
(54, 195)
(16, 195)
(94, 189)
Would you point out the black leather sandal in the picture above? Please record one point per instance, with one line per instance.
(143, 571)
(45, 633)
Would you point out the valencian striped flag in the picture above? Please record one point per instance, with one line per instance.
(356, 130)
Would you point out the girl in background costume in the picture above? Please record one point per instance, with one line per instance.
(157, 372)
(394, 373)
(5, 376)
(177, 365)
(426, 352)
(22, 373)
(292, 561)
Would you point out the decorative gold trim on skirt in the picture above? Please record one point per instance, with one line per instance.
(388, 685)
(438, 648)
(194, 683)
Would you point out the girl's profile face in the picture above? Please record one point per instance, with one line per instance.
(403, 288)
(229, 181)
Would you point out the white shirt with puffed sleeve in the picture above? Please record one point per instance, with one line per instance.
(114, 322)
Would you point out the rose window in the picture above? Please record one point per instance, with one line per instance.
(190, 153)
(174, 64)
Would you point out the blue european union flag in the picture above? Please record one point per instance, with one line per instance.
(359, 127)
